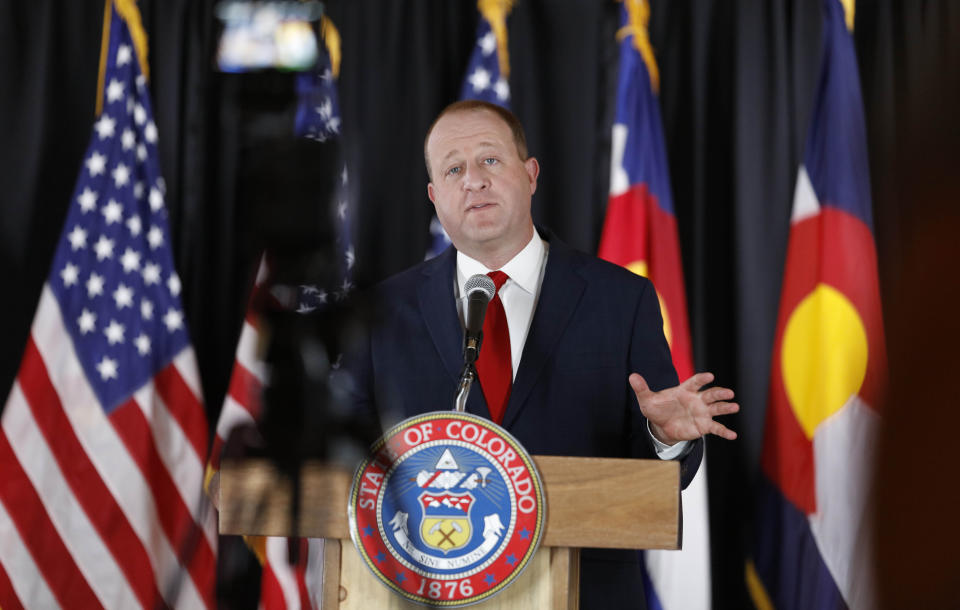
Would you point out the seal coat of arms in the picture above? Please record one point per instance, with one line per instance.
(447, 510)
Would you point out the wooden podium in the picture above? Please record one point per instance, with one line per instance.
(591, 502)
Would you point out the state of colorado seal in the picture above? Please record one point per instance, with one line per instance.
(447, 510)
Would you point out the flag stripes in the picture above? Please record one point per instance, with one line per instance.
(188, 539)
(113, 473)
(184, 405)
(79, 474)
(6, 587)
(22, 503)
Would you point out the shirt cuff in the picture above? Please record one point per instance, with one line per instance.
(665, 451)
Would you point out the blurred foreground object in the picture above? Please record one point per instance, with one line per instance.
(269, 34)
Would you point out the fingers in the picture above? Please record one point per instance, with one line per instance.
(697, 381)
(722, 431)
(716, 394)
(638, 383)
(723, 408)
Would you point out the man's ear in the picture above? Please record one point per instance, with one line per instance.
(431, 194)
(533, 170)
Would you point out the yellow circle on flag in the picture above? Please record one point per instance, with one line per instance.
(824, 356)
(640, 268)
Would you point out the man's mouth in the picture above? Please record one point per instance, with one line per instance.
(478, 206)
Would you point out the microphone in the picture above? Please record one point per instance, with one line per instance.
(479, 289)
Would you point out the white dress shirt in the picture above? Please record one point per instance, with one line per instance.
(519, 295)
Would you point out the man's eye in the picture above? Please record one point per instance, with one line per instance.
(453, 171)
(490, 161)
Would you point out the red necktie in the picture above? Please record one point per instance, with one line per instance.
(494, 366)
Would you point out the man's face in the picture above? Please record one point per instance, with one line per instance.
(480, 187)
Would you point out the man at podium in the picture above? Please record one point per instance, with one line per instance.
(573, 361)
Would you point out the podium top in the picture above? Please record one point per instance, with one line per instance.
(591, 502)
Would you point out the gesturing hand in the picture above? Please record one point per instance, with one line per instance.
(683, 412)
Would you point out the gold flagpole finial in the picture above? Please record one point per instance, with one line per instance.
(128, 11)
(849, 7)
(638, 17)
(495, 12)
(331, 38)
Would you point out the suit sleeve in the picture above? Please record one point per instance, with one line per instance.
(650, 356)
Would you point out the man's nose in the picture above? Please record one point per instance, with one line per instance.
(475, 178)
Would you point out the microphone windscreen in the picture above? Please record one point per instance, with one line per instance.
(479, 282)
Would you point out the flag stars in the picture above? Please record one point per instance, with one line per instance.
(123, 296)
(173, 320)
(128, 139)
(325, 109)
(112, 212)
(77, 238)
(123, 55)
(130, 260)
(342, 210)
(351, 257)
(488, 44)
(173, 284)
(138, 190)
(479, 80)
(146, 309)
(139, 114)
(141, 152)
(105, 126)
(155, 237)
(103, 248)
(143, 344)
(134, 225)
(87, 200)
(114, 332)
(94, 285)
(70, 274)
(96, 164)
(150, 132)
(87, 322)
(151, 274)
(114, 90)
(107, 367)
(502, 90)
(121, 175)
(156, 199)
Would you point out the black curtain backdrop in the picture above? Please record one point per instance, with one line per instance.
(736, 86)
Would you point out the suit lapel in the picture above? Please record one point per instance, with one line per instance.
(559, 294)
(439, 309)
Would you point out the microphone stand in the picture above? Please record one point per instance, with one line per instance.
(469, 373)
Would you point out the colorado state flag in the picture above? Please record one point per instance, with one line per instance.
(813, 546)
(640, 233)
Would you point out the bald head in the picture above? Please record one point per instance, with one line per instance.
(466, 106)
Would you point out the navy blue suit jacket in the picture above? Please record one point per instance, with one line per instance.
(594, 324)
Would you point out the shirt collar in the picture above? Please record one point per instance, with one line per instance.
(523, 269)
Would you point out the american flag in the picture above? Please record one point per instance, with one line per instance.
(484, 80)
(284, 586)
(104, 433)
